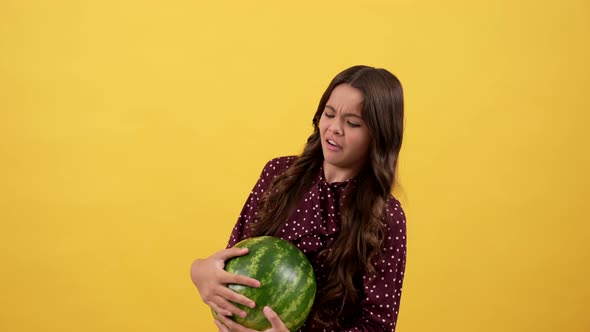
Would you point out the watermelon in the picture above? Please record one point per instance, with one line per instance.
(287, 279)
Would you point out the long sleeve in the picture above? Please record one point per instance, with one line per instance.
(383, 288)
(242, 228)
(315, 223)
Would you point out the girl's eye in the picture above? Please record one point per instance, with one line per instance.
(329, 116)
(353, 125)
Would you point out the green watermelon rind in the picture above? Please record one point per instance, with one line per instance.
(286, 300)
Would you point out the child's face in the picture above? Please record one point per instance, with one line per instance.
(345, 136)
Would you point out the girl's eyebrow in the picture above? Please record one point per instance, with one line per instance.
(345, 114)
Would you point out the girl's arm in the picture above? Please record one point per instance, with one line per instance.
(383, 289)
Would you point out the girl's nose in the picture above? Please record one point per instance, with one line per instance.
(336, 128)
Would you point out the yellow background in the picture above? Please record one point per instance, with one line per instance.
(131, 133)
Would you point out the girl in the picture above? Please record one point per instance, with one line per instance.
(334, 202)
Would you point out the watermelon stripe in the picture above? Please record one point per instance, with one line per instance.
(300, 303)
(287, 282)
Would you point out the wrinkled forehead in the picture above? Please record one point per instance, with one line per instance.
(346, 98)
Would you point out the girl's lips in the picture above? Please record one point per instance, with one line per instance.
(332, 146)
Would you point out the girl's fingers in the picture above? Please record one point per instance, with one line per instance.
(220, 327)
(274, 319)
(231, 252)
(237, 298)
(233, 326)
(219, 310)
(228, 308)
(231, 278)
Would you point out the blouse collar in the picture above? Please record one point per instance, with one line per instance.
(334, 185)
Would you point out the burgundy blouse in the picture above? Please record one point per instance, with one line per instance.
(315, 223)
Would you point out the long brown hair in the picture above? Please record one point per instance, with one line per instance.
(362, 229)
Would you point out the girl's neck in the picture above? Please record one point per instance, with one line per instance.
(336, 174)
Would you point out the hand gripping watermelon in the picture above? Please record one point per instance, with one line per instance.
(287, 281)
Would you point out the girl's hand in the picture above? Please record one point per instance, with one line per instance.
(211, 280)
(227, 325)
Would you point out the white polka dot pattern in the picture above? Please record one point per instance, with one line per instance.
(313, 226)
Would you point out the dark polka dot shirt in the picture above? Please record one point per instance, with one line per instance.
(313, 226)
